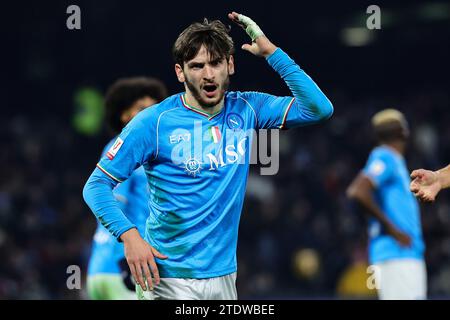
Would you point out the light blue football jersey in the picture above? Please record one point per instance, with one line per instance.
(388, 172)
(197, 166)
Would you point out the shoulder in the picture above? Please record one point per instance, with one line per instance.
(382, 153)
(109, 145)
(246, 95)
(249, 99)
(380, 161)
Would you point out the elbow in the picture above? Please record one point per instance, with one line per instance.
(353, 193)
(350, 193)
(86, 192)
(321, 108)
(325, 108)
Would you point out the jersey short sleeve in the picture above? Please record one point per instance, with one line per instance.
(379, 167)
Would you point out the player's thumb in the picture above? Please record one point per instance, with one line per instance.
(416, 174)
(158, 254)
(248, 48)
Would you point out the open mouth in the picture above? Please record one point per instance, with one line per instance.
(210, 90)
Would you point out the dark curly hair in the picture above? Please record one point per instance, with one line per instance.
(124, 92)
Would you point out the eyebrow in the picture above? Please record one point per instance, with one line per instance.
(201, 64)
(195, 64)
(217, 60)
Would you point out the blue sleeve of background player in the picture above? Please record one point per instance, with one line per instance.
(307, 106)
(132, 148)
(379, 168)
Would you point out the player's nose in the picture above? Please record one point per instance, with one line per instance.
(208, 73)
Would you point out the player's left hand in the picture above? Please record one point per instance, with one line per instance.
(261, 46)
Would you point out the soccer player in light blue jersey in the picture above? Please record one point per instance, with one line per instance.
(396, 246)
(108, 276)
(195, 147)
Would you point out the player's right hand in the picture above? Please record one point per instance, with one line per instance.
(141, 259)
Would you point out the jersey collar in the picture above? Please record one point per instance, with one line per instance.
(196, 110)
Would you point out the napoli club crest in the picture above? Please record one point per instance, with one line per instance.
(235, 121)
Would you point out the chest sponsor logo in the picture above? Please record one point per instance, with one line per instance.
(233, 154)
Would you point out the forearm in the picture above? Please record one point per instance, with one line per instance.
(98, 194)
(444, 177)
(369, 204)
(311, 104)
(361, 190)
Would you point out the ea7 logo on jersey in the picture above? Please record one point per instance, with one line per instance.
(115, 147)
(176, 138)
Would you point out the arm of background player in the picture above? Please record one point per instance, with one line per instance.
(310, 104)
(361, 190)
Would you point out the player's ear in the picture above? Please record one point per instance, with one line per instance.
(179, 72)
(231, 65)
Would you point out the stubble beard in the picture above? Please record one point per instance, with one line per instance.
(208, 104)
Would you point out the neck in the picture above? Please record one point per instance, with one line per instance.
(397, 146)
(190, 99)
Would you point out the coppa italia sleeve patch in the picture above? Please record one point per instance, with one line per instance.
(114, 148)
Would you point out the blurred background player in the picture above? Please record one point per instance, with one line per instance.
(108, 275)
(426, 184)
(197, 199)
(396, 246)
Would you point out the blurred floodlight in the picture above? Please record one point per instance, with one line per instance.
(89, 111)
(306, 263)
(357, 37)
(434, 11)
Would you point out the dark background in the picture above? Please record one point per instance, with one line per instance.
(299, 236)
